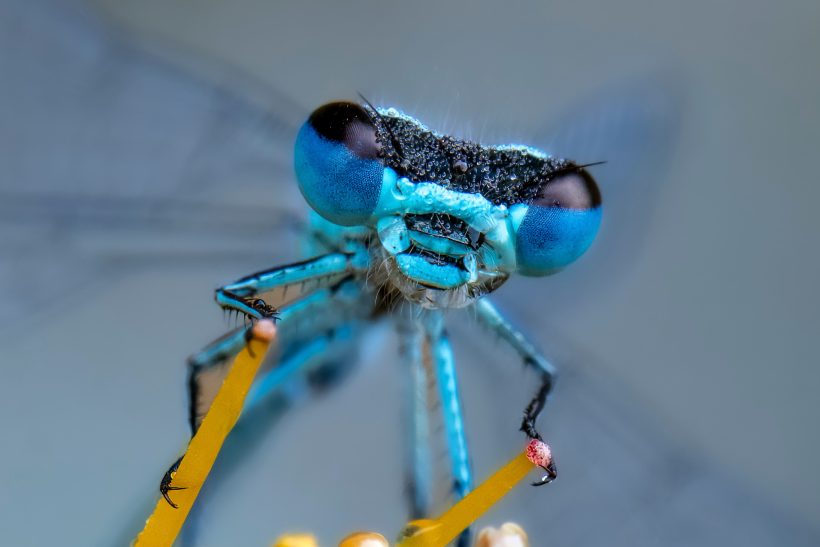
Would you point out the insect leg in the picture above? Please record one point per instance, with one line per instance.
(314, 330)
(301, 324)
(442, 354)
(207, 369)
(489, 316)
(323, 348)
(322, 271)
(323, 352)
(211, 361)
(325, 337)
(412, 346)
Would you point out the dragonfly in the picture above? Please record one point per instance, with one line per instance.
(124, 159)
(407, 219)
(405, 223)
(456, 254)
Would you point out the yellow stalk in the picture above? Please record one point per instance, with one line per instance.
(439, 532)
(164, 524)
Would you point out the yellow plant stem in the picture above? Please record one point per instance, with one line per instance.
(165, 522)
(439, 532)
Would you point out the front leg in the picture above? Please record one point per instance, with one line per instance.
(217, 353)
(323, 271)
(254, 308)
(241, 296)
(326, 321)
(490, 317)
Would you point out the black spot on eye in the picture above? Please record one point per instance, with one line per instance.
(349, 124)
(574, 190)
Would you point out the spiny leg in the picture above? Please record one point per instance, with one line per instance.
(418, 474)
(489, 316)
(327, 272)
(300, 375)
(322, 271)
(300, 323)
(212, 360)
(444, 363)
(325, 336)
(323, 349)
(165, 485)
(208, 368)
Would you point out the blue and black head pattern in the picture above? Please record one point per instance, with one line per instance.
(338, 164)
(344, 150)
(559, 224)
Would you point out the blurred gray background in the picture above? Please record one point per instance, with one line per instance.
(138, 140)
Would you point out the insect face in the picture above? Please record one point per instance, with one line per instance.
(450, 215)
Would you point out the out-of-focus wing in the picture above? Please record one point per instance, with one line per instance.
(111, 156)
(633, 127)
(114, 160)
(623, 479)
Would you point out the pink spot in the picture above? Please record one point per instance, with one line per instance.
(539, 453)
(265, 330)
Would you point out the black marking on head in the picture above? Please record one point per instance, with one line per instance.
(502, 175)
(349, 124)
(383, 124)
(572, 189)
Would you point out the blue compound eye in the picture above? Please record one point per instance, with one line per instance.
(337, 163)
(559, 224)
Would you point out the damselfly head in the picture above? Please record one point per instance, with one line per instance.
(450, 214)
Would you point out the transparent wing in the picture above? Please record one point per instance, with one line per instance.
(115, 160)
(633, 126)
